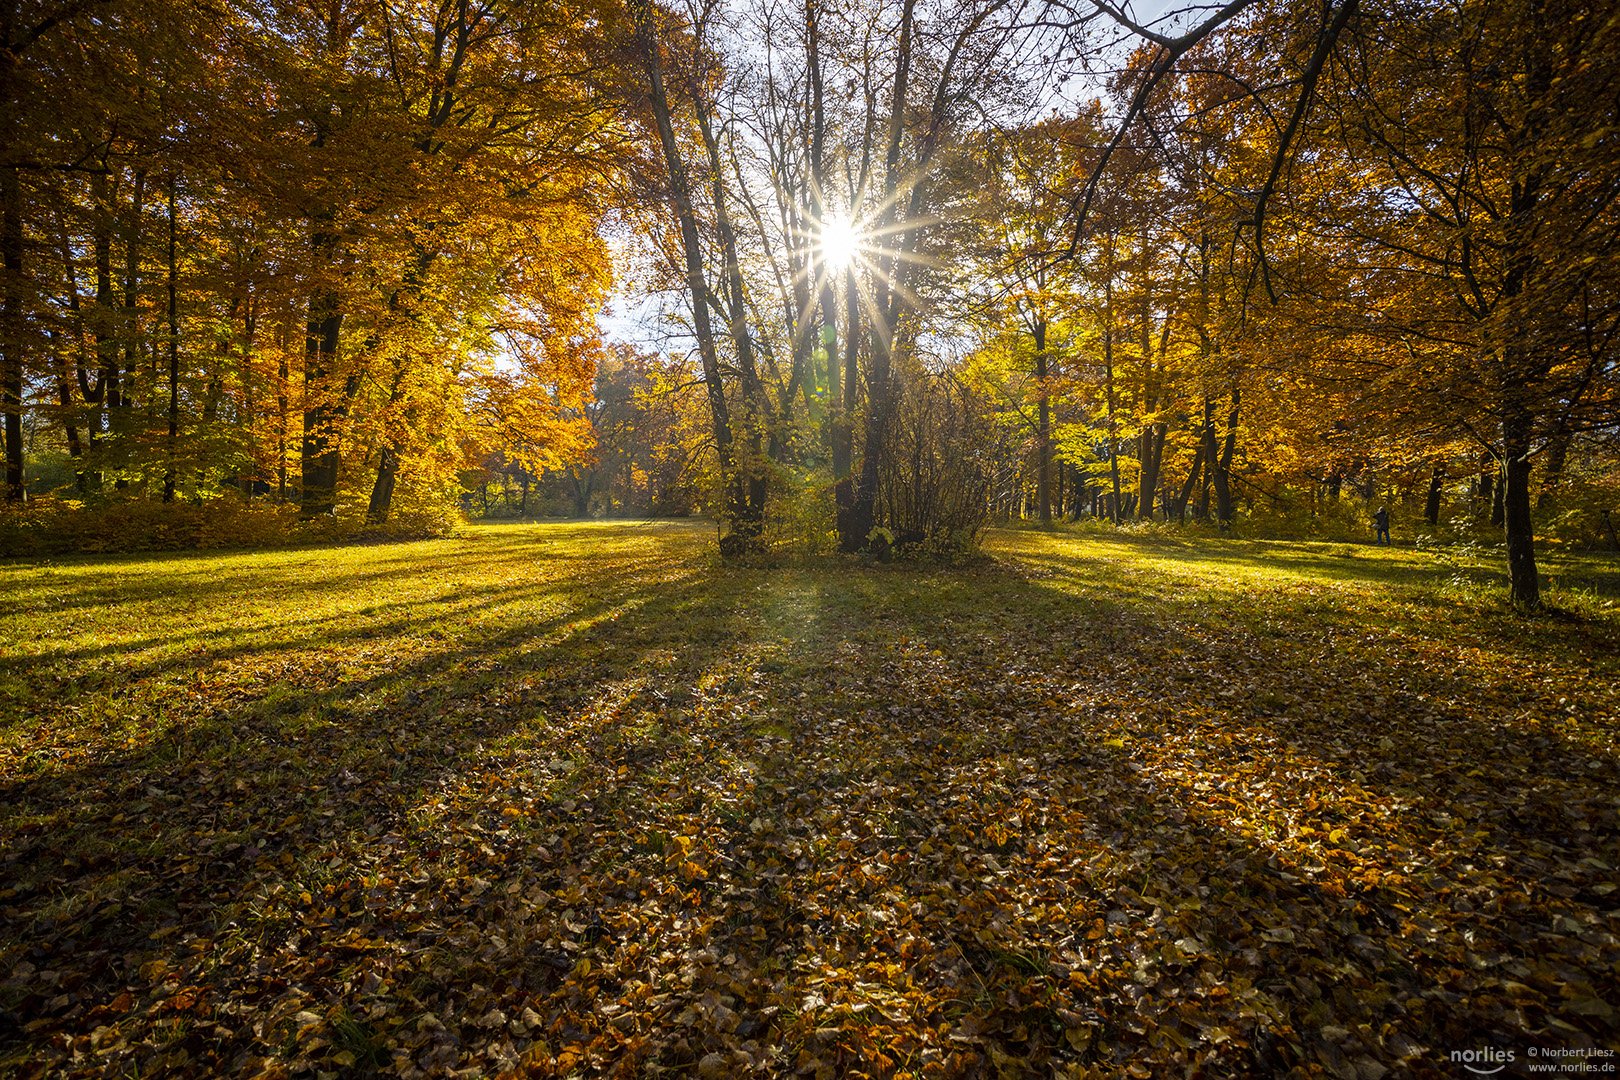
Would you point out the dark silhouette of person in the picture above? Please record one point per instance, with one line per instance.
(1381, 523)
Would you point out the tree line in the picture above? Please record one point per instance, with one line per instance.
(920, 264)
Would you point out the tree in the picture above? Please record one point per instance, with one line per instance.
(1478, 198)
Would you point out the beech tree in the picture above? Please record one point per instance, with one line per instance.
(1475, 209)
(272, 248)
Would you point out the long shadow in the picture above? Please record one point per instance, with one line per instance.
(1423, 956)
(451, 598)
(293, 571)
(967, 848)
(1328, 561)
(170, 841)
(1397, 967)
(1000, 821)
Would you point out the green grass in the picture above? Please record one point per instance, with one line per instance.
(579, 798)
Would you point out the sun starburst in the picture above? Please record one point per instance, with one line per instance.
(841, 241)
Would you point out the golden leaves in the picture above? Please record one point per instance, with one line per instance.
(906, 824)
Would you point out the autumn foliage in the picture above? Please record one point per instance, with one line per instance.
(1142, 603)
(575, 800)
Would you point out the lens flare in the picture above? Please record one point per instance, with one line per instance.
(840, 242)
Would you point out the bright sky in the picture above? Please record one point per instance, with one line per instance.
(639, 317)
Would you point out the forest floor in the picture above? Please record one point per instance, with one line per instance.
(577, 799)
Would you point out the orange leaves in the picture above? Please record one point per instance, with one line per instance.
(802, 822)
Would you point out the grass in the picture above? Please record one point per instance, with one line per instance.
(578, 800)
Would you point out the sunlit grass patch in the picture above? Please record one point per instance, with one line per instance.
(584, 794)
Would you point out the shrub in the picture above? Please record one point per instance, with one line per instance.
(936, 476)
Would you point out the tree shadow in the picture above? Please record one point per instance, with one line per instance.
(1045, 824)
(117, 859)
(1014, 819)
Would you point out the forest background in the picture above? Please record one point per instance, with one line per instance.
(285, 270)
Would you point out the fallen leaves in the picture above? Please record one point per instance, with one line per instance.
(813, 822)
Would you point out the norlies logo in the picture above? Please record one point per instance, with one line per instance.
(1484, 1062)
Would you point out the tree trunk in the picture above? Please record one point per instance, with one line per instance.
(1523, 581)
(283, 417)
(129, 327)
(1113, 428)
(106, 338)
(1152, 462)
(1221, 474)
(1043, 435)
(1498, 502)
(1557, 454)
(1211, 451)
(749, 524)
(680, 194)
(1192, 483)
(892, 335)
(1431, 506)
(382, 488)
(11, 337)
(319, 451)
(174, 353)
(842, 432)
(879, 415)
(64, 398)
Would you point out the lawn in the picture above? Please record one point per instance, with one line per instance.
(579, 800)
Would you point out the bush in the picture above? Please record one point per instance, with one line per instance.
(801, 517)
(936, 476)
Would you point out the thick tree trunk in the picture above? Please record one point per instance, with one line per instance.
(1431, 506)
(11, 337)
(1522, 577)
(1043, 435)
(582, 494)
(382, 489)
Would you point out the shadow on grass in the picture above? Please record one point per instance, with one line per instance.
(1050, 813)
(222, 800)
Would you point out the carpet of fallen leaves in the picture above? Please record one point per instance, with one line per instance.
(577, 800)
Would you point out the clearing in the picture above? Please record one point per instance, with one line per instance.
(577, 799)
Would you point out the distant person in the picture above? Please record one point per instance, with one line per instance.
(1381, 523)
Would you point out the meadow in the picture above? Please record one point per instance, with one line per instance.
(579, 799)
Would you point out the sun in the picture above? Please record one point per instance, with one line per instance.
(840, 242)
